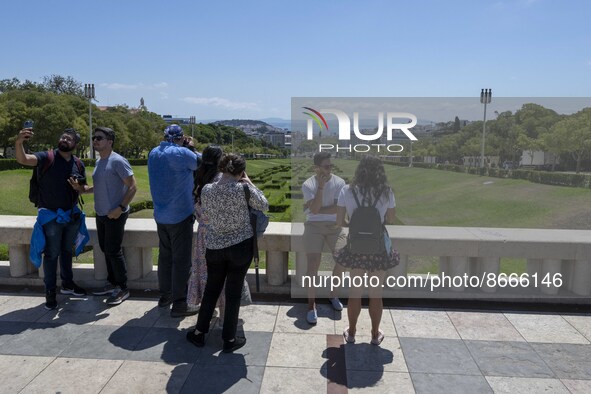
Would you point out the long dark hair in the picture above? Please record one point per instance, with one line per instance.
(208, 169)
(370, 178)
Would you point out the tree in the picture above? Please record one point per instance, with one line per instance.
(572, 135)
(63, 85)
(457, 125)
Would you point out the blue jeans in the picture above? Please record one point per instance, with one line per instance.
(174, 258)
(59, 242)
(228, 265)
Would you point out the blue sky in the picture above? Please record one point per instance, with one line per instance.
(246, 59)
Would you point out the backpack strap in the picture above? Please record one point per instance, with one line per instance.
(48, 162)
(377, 199)
(355, 196)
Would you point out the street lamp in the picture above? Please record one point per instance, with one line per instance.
(232, 141)
(192, 122)
(89, 94)
(485, 98)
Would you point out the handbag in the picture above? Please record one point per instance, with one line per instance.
(254, 219)
(262, 220)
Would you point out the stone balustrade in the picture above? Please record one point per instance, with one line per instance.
(461, 250)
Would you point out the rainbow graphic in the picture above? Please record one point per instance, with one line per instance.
(315, 115)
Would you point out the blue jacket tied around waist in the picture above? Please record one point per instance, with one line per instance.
(45, 216)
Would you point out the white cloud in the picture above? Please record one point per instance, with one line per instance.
(163, 95)
(161, 85)
(219, 102)
(120, 86)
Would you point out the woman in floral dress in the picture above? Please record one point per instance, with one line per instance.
(206, 173)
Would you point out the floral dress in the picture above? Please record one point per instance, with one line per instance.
(198, 277)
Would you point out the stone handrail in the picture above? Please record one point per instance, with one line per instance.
(461, 250)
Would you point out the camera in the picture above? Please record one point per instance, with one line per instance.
(186, 144)
(81, 179)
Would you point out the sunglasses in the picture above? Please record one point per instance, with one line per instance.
(97, 138)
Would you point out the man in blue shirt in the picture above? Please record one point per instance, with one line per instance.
(170, 169)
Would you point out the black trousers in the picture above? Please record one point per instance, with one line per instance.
(110, 236)
(229, 266)
(174, 259)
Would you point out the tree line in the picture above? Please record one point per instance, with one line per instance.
(58, 102)
(531, 128)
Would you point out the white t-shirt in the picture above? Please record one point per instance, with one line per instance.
(347, 200)
(330, 194)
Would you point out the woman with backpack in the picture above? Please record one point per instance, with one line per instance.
(229, 247)
(370, 204)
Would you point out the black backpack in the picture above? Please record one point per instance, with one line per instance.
(39, 172)
(366, 230)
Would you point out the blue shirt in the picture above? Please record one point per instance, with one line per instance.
(107, 179)
(170, 169)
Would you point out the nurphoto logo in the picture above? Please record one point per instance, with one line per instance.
(393, 122)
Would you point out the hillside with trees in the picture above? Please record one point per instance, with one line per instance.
(58, 102)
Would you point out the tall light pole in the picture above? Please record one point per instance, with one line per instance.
(89, 94)
(192, 122)
(232, 141)
(485, 98)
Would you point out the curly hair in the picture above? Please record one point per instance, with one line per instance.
(208, 169)
(232, 164)
(370, 177)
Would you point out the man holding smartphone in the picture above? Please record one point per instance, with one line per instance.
(321, 192)
(56, 200)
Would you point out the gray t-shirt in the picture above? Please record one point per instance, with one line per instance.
(107, 179)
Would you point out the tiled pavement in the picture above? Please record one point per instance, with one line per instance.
(138, 348)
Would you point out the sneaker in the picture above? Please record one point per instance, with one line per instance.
(312, 316)
(196, 339)
(237, 343)
(73, 289)
(182, 310)
(50, 300)
(107, 289)
(164, 301)
(118, 296)
(336, 304)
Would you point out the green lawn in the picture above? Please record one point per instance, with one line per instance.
(424, 197)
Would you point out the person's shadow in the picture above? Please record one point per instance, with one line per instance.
(71, 310)
(203, 369)
(299, 311)
(365, 360)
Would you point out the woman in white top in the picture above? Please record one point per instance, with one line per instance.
(369, 188)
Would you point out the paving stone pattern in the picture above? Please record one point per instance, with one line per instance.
(86, 347)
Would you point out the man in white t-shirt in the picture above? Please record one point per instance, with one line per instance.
(320, 195)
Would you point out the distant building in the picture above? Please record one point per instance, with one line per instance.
(275, 139)
(175, 119)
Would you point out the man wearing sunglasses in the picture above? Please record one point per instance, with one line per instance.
(321, 192)
(59, 217)
(114, 187)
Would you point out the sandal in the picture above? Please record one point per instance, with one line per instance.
(378, 339)
(348, 338)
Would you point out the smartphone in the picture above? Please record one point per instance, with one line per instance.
(28, 124)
